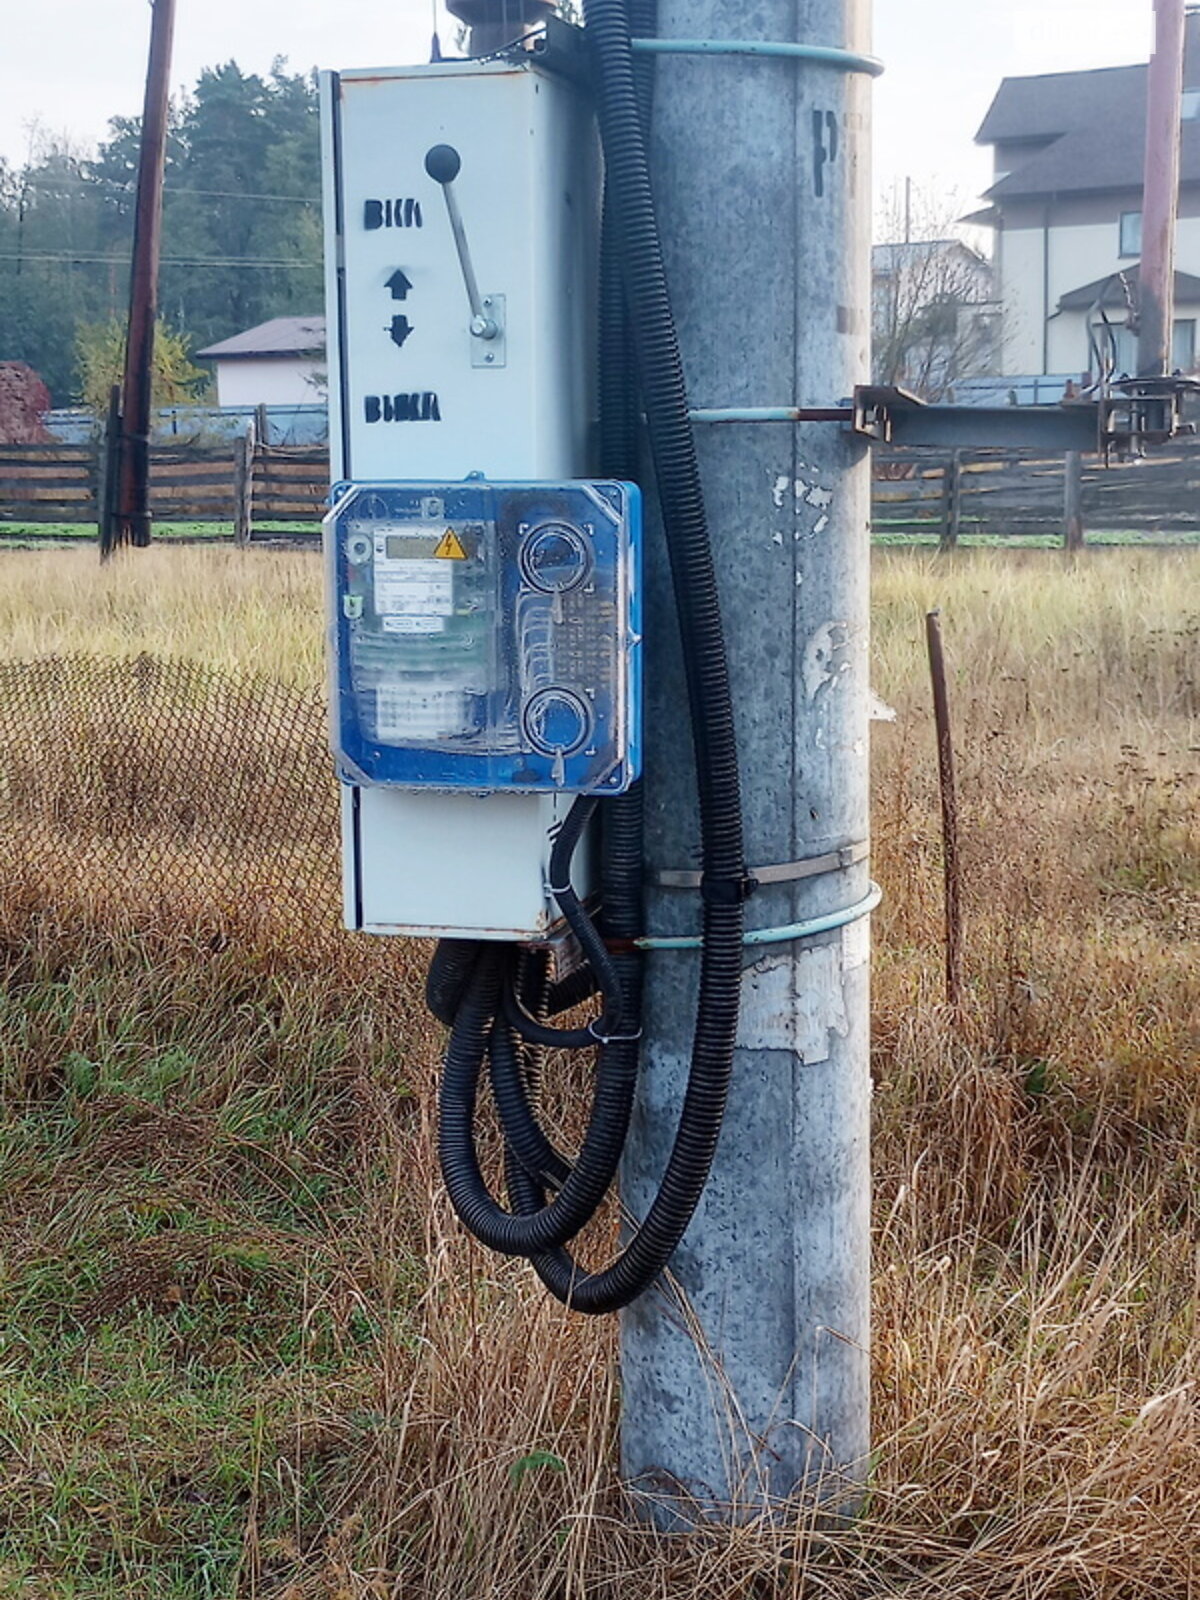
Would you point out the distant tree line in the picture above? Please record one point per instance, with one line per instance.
(241, 227)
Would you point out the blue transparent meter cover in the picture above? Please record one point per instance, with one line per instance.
(487, 635)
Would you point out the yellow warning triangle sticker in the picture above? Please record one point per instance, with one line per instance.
(450, 548)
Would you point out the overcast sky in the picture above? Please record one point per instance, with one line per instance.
(69, 65)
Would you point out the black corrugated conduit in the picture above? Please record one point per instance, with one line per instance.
(494, 1012)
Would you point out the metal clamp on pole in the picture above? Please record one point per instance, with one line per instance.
(787, 934)
(786, 872)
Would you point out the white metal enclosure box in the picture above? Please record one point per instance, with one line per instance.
(415, 395)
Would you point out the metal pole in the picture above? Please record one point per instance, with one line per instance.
(756, 1387)
(132, 523)
(1160, 200)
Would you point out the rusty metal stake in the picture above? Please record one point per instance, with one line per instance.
(951, 861)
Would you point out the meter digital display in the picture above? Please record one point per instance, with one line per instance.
(486, 636)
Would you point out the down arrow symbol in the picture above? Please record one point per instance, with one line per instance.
(400, 330)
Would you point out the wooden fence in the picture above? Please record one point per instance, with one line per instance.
(239, 482)
(948, 495)
(48, 483)
(953, 494)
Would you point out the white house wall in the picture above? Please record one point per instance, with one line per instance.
(270, 381)
(1074, 254)
(1021, 270)
(1069, 342)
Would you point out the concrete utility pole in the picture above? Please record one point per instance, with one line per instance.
(132, 519)
(760, 1388)
(1160, 200)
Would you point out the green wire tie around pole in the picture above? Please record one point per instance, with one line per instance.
(829, 923)
(822, 54)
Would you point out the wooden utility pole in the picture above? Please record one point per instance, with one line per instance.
(130, 523)
(1160, 199)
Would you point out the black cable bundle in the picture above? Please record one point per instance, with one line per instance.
(498, 1006)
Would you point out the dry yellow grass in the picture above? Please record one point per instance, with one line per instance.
(248, 1352)
(257, 610)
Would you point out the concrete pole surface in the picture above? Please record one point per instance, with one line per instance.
(1160, 197)
(756, 1386)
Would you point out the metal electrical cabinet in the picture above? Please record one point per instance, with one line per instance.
(462, 206)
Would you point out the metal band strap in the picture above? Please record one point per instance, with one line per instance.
(821, 54)
(788, 872)
(788, 934)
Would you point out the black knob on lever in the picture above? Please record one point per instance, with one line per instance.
(443, 163)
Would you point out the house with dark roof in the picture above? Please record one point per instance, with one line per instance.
(278, 363)
(1066, 207)
(934, 318)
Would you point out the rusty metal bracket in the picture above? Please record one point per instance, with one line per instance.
(1135, 415)
(1144, 412)
(887, 415)
(1138, 414)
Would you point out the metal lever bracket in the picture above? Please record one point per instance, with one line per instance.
(488, 345)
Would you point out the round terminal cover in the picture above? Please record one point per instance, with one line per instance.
(557, 722)
(555, 558)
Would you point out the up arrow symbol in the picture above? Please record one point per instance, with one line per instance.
(399, 285)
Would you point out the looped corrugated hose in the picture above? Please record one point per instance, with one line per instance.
(637, 318)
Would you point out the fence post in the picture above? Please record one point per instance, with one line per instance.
(243, 484)
(106, 489)
(1073, 530)
(951, 501)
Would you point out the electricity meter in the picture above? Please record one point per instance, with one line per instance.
(487, 635)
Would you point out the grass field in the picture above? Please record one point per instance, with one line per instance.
(246, 1352)
(37, 535)
(32, 535)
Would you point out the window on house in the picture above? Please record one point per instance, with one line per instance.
(1131, 234)
(1183, 344)
(1124, 351)
(1191, 105)
(1122, 343)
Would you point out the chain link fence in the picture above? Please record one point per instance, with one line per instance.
(148, 780)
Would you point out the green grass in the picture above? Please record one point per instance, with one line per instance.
(189, 1341)
(28, 535)
(906, 536)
